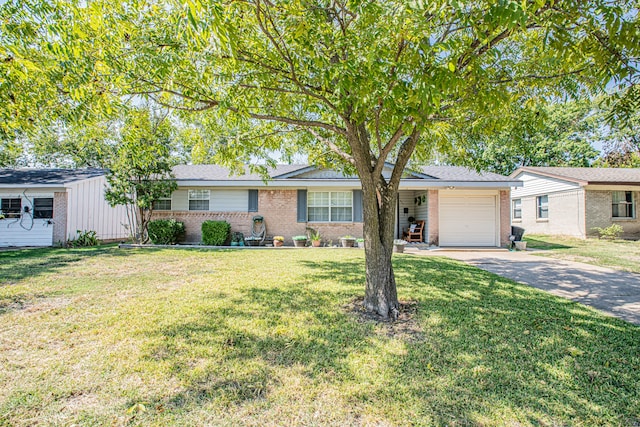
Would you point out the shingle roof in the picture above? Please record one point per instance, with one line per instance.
(34, 176)
(462, 174)
(588, 175)
(220, 173)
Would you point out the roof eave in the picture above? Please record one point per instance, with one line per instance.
(613, 183)
(310, 182)
(548, 175)
(60, 186)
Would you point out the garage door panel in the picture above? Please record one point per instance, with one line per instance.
(468, 221)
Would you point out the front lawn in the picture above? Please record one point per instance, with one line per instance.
(616, 254)
(105, 336)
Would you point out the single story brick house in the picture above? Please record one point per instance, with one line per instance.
(573, 201)
(44, 207)
(460, 207)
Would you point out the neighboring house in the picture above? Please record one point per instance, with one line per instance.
(573, 201)
(44, 207)
(460, 206)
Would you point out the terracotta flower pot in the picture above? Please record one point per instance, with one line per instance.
(278, 243)
(316, 243)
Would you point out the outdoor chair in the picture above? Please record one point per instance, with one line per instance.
(415, 232)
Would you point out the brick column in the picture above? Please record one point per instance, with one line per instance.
(59, 218)
(505, 217)
(433, 234)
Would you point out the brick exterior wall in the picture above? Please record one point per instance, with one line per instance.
(59, 218)
(278, 207)
(505, 216)
(598, 214)
(566, 214)
(433, 232)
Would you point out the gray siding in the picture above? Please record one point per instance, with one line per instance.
(229, 201)
(180, 200)
(236, 200)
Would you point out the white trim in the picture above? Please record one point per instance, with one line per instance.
(347, 183)
(329, 206)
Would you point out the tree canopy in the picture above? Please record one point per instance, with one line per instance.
(139, 170)
(352, 83)
(560, 134)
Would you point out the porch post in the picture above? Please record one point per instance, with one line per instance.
(433, 234)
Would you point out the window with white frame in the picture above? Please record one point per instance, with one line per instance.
(162, 204)
(542, 203)
(199, 200)
(43, 207)
(11, 207)
(516, 209)
(622, 204)
(330, 206)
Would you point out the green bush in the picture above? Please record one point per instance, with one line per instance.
(84, 238)
(612, 232)
(215, 233)
(165, 231)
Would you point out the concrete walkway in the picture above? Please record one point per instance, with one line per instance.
(614, 292)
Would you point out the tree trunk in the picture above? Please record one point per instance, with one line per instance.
(379, 196)
(143, 225)
(380, 295)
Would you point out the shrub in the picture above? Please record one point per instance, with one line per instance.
(299, 237)
(612, 232)
(84, 239)
(314, 235)
(165, 231)
(215, 233)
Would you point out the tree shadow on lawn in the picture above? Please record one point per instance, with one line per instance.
(23, 264)
(241, 354)
(492, 343)
(489, 348)
(538, 243)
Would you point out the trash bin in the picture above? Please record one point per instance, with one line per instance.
(517, 233)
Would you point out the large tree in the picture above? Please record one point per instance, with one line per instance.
(559, 134)
(354, 84)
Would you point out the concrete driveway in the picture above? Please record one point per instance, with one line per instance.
(614, 292)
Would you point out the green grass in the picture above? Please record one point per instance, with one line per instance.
(616, 254)
(103, 336)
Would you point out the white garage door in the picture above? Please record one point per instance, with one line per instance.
(468, 221)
